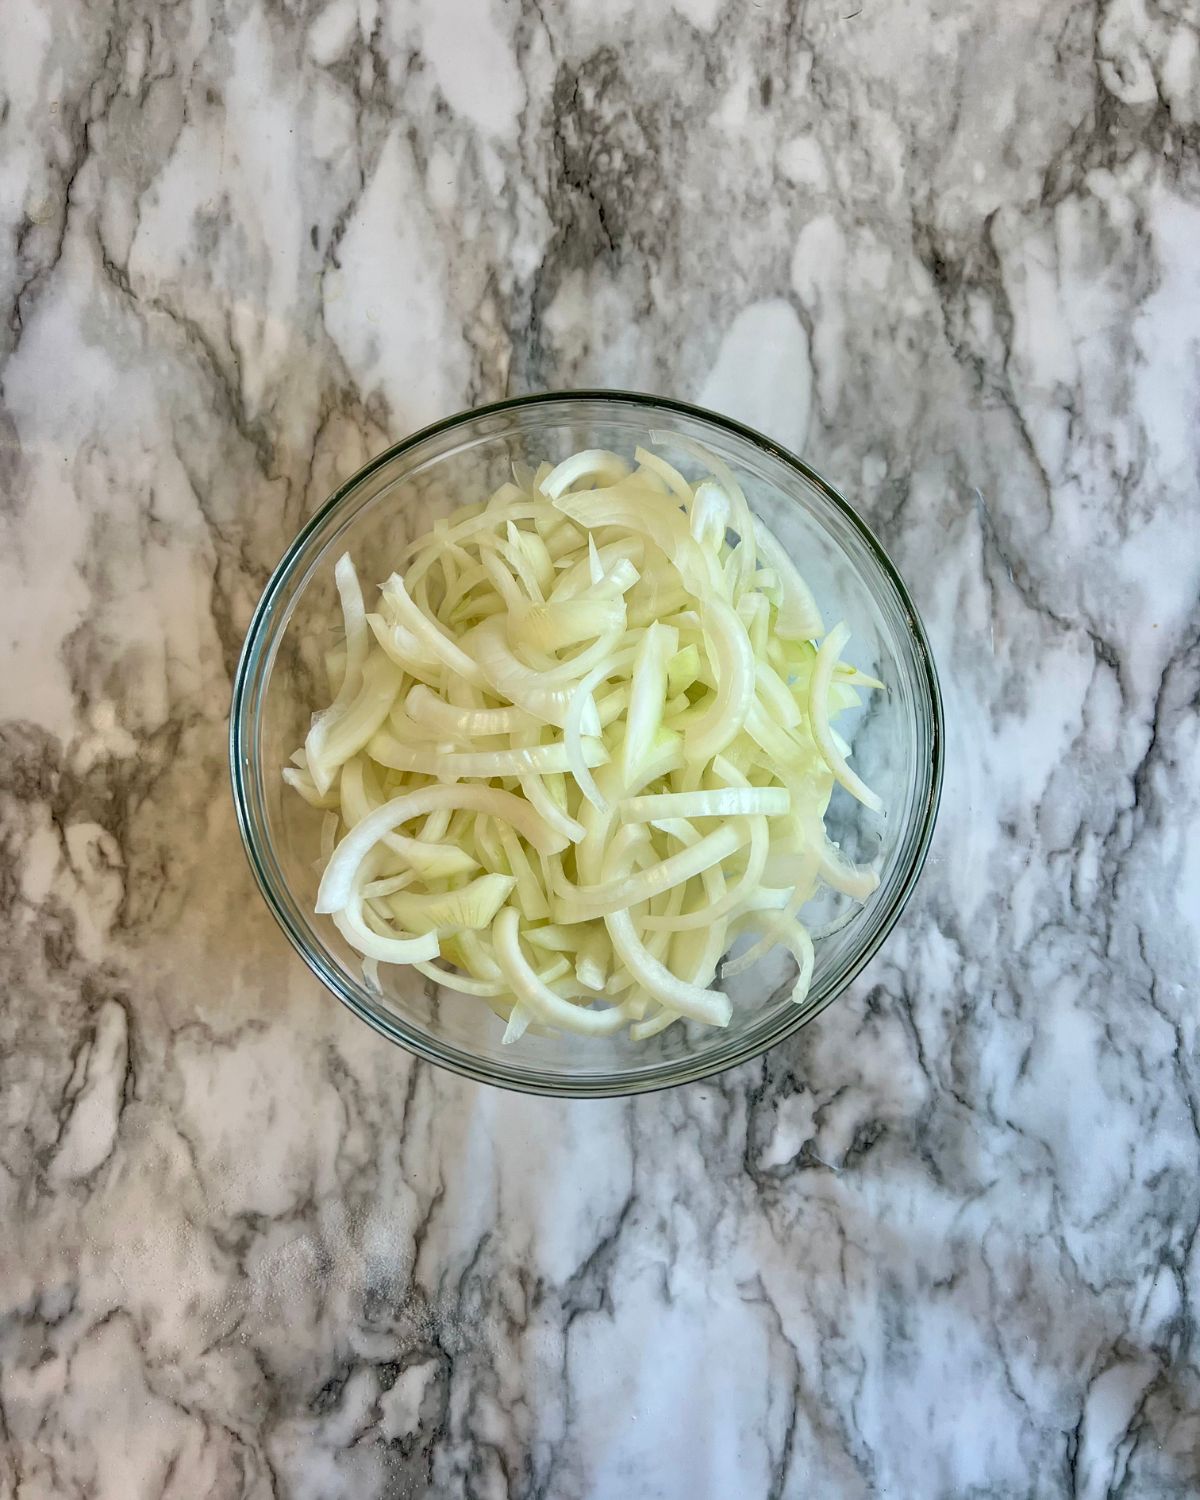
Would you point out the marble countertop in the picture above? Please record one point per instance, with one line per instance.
(944, 1242)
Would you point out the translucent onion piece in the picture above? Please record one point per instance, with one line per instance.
(742, 520)
(647, 694)
(588, 901)
(671, 476)
(357, 642)
(818, 715)
(567, 622)
(642, 512)
(380, 681)
(739, 894)
(537, 997)
(710, 515)
(474, 905)
(707, 1006)
(538, 759)
(729, 802)
(351, 923)
(337, 881)
(592, 463)
(839, 873)
(779, 927)
(424, 707)
(733, 662)
(520, 684)
(798, 618)
(302, 782)
(534, 788)
(582, 704)
(431, 861)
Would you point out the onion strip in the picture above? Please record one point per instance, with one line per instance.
(818, 715)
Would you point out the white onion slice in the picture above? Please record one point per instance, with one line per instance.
(818, 715)
(538, 998)
(592, 463)
(706, 1006)
(536, 759)
(429, 634)
(727, 802)
(337, 881)
(587, 901)
(732, 660)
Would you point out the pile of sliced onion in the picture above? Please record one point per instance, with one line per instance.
(583, 742)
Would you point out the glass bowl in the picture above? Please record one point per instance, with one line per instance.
(897, 742)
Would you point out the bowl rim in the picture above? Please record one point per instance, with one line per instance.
(535, 1081)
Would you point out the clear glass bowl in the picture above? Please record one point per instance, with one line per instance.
(897, 742)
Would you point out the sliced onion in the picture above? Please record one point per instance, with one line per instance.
(799, 618)
(337, 881)
(733, 663)
(563, 684)
(474, 905)
(706, 1006)
(537, 996)
(671, 476)
(428, 633)
(583, 706)
(425, 707)
(593, 463)
(535, 759)
(818, 716)
(647, 695)
(727, 802)
(351, 923)
(588, 901)
(357, 642)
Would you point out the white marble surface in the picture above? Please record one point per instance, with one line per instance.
(941, 1245)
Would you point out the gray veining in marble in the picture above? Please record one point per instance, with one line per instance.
(942, 1244)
